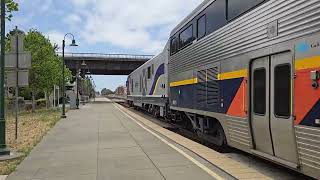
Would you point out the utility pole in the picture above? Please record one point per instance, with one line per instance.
(3, 146)
(17, 83)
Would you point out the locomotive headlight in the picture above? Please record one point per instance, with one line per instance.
(315, 76)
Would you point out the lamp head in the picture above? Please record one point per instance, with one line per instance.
(83, 64)
(73, 43)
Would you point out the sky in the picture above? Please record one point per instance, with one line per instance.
(105, 26)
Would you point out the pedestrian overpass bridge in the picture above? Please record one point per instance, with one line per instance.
(104, 64)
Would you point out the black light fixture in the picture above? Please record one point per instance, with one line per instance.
(74, 44)
(83, 64)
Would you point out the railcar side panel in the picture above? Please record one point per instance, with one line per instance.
(213, 77)
(148, 84)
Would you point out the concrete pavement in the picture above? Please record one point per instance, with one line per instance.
(99, 142)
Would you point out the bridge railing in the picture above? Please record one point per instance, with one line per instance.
(100, 55)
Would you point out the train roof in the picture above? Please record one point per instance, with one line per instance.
(192, 15)
(165, 49)
(144, 64)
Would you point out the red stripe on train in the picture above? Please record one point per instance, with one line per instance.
(305, 96)
(238, 107)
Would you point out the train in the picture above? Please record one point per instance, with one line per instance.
(243, 74)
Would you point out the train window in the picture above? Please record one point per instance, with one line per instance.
(282, 90)
(259, 91)
(236, 7)
(152, 68)
(186, 36)
(149, 72)
(201, 27)
(216, 16)
(174, 46)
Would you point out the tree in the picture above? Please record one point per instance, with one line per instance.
(46, 66)
(11, 6)
(88, 87)
(106, 91)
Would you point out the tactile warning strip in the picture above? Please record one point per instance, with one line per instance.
(230, 166)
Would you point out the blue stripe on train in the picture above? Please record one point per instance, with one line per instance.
(229, 90)
(314, 114)
(187, 97)
(160, 71)
(183, 96)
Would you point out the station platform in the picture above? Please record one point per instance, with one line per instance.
(105, 141)
(100, 142)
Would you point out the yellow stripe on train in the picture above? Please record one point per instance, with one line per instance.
(223, 76)
(233, 75)
(184, 82)
(308, 63)
(155, 88)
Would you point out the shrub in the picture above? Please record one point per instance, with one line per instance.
(41, 102)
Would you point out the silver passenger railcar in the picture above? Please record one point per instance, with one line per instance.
(147, 86)
(246, 74)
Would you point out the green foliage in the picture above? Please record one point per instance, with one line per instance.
(46, 69)
(11, 6)
(88, 87)
(106, 91)
(46, 65)
(26, 93)
(41, 102)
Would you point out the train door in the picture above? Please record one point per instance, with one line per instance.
(271, 107)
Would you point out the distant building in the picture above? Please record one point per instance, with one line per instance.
(121, 91)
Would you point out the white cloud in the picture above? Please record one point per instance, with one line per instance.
(24, 21)
(131, 24)
(56, 37)
(81, 2)
(44, 5)
(72, 19)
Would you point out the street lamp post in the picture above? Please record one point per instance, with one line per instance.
(77, 77)
(88, 87)
(83, 66)
(63, 76)
(83, 91)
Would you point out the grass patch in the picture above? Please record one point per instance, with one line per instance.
(31, 129)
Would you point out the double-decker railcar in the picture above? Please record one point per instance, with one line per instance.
(147, 86)
(246, 74)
